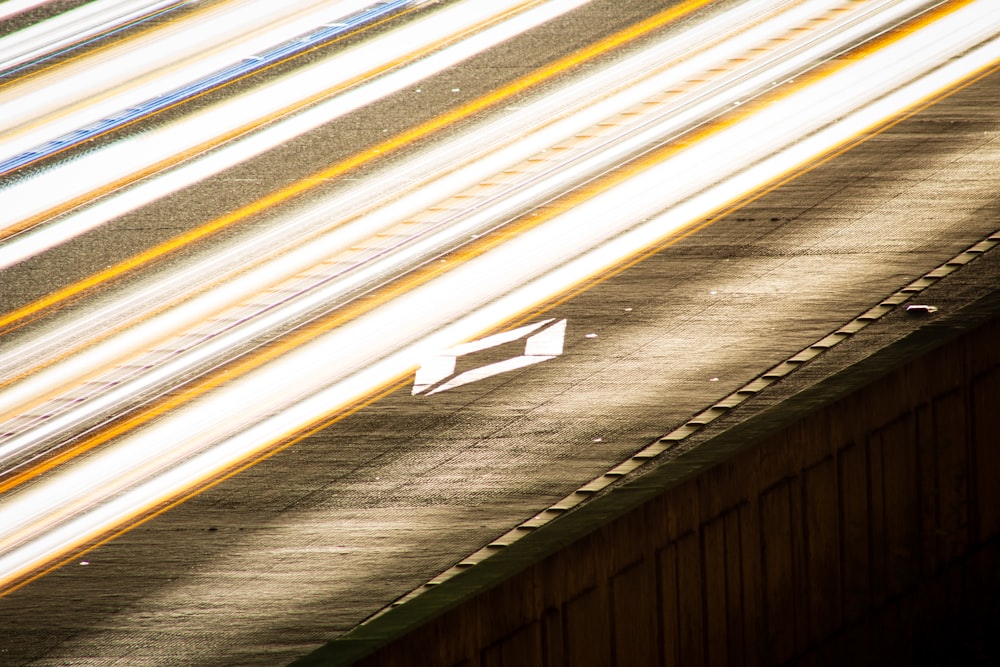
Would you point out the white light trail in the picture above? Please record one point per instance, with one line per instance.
(198, 85)
(15, 7)
(80, 92)
(147, 332)
(68, 28)
(345, 82)
(447, 171)
(219, 430)
(422, 182)
(550, 180)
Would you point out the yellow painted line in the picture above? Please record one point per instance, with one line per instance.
(324, 422)
(26, 313)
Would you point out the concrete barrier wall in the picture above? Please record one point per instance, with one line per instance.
(865, 532)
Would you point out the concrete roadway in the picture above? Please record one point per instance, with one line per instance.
(308, 543)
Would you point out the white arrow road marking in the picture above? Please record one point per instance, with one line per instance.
(542, 346)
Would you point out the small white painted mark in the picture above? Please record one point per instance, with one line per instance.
(437, 373)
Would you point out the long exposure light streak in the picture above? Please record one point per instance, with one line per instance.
(336, 170)
(244, 67)
(335, 87)
(569, 241)
(15, 7)
(62, 106)
(64, 31)
(209, 323)
(545, 175)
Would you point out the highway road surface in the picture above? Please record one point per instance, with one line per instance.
(301, 307)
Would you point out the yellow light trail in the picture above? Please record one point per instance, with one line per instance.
(209, 141)
(621, 175)
(544, 259)
(363, 204)
(60, 297)
(42, 122)
(66, 455)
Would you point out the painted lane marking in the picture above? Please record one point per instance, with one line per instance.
(437, 373)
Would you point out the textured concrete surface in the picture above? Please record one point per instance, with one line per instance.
(268, 565)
